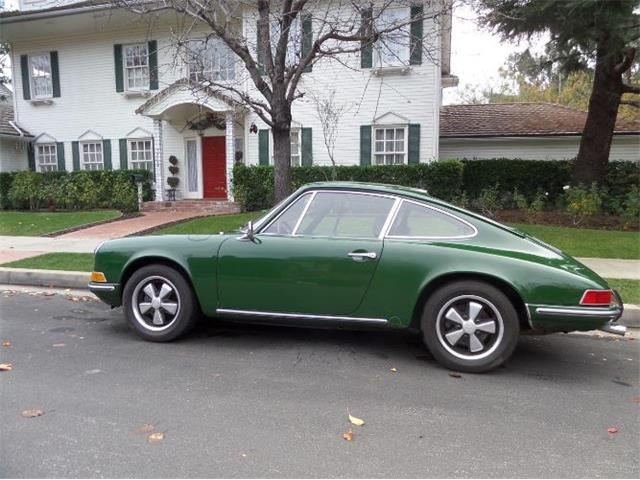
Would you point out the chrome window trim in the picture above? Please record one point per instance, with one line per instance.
(304, 212)
(274, 219)
(307, 316)
(444, 212)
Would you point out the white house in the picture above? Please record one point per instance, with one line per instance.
(528, 131)
(13, 139)
(102, 88)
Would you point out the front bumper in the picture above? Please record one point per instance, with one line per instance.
(109, 293)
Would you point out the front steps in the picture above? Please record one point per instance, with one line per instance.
(205, 207)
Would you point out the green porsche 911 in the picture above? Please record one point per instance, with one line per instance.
(352, 254)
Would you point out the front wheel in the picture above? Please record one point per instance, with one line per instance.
(470, 326)
(159, 303)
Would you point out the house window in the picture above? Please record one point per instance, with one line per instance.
(92, 156)
(211, 60)
(390, 146)
(47, 157)
(141, 154)
(136, 66)
(392, 49)
(40, 72)
(294, 42)
(295, 148)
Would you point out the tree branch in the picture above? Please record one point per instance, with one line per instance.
(627, 60)
(631, 103)
(626, 88)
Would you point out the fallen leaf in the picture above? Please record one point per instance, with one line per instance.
(146, 428)
(455, 375)
(155, 437)
(348, 436)
(394, 369)
(636, 399)
(6, 343)
(356, 421)
(612, 430)
(48, 294)
(5, 367)
(32, 412)
(59, 345)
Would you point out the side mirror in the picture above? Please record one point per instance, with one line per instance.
(248, 232)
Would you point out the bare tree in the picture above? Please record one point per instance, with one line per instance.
(276, 49)
(329, 113)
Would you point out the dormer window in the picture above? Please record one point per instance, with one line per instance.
(46, 157)
(136, 66)
(40, 76)
(390, 146)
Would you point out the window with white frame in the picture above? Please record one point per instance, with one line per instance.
(46, 157)
(210, 60)
(136, 66)
(91, 155)
(40, 75)
(296, 147)
(141, 154)
(294, 43)
(393, 48)
(390, 145)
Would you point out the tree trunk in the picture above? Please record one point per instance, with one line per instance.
(593, 155)
(282, 160)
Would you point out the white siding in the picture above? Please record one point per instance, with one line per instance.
(623, 147)
(13, 155)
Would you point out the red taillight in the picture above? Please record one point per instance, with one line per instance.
(597, 297)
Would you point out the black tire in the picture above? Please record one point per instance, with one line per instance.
(174, 300)
(448, 334)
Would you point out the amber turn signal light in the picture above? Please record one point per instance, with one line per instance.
(597, 297)
(98, 277)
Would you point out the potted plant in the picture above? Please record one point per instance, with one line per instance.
(173, 181)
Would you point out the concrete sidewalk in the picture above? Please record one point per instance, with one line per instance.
(613, 267)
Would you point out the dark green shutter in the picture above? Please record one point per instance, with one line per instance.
(414, 144)
(26, 85)
(75, 151)
(415, 57)
(55, 74)
(123, 154)
(117, 57)
(307, 38)
(365, 145)
(153, 65)
(259, 55)
(263, 146)
(307, 147)
(31, 157)
(366, 47)
(60, 153)
(106, 154)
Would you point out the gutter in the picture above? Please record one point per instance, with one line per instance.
(16, 128)
(52, 14)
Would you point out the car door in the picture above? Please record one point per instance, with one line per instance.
(316, 258)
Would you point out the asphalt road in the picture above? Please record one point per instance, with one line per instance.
(248, 401)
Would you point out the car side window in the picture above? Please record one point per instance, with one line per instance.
(346, 215)
(287, 220)
(414, 220)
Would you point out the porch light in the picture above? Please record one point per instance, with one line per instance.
(253, 128)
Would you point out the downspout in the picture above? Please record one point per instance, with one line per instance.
(13, 79)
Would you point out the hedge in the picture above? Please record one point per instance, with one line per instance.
(72, 190)
(447, 179)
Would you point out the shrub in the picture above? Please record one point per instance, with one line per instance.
(73, 190)
(631, 208)
(583, 202)
(533, 208)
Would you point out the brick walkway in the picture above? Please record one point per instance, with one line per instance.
(123, 228)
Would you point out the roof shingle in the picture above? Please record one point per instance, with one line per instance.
(518, 120)
(6, 117)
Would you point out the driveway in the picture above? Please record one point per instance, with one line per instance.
(254, 401)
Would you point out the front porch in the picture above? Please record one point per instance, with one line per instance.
(198, 136)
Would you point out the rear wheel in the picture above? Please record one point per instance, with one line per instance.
(470, 326)
(159, 303)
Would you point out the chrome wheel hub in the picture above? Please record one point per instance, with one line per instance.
(469, 327)
(156, 303)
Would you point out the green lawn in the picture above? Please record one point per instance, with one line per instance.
(585, 242)
(41, 223)
(210, 225)
(629, 290)
(79, 262)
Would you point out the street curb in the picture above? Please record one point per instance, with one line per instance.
(64, 279)
(44, 278)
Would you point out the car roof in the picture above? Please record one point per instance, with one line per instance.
(376, 187)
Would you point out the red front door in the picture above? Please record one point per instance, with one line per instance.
(214, 169)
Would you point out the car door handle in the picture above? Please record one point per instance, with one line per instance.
(363, 255)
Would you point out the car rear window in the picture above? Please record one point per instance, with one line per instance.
(418, 221)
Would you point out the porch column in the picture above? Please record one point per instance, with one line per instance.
(158, 144)
(230, 153)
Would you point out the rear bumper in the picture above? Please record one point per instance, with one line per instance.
(606, 314)
(109, 293)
